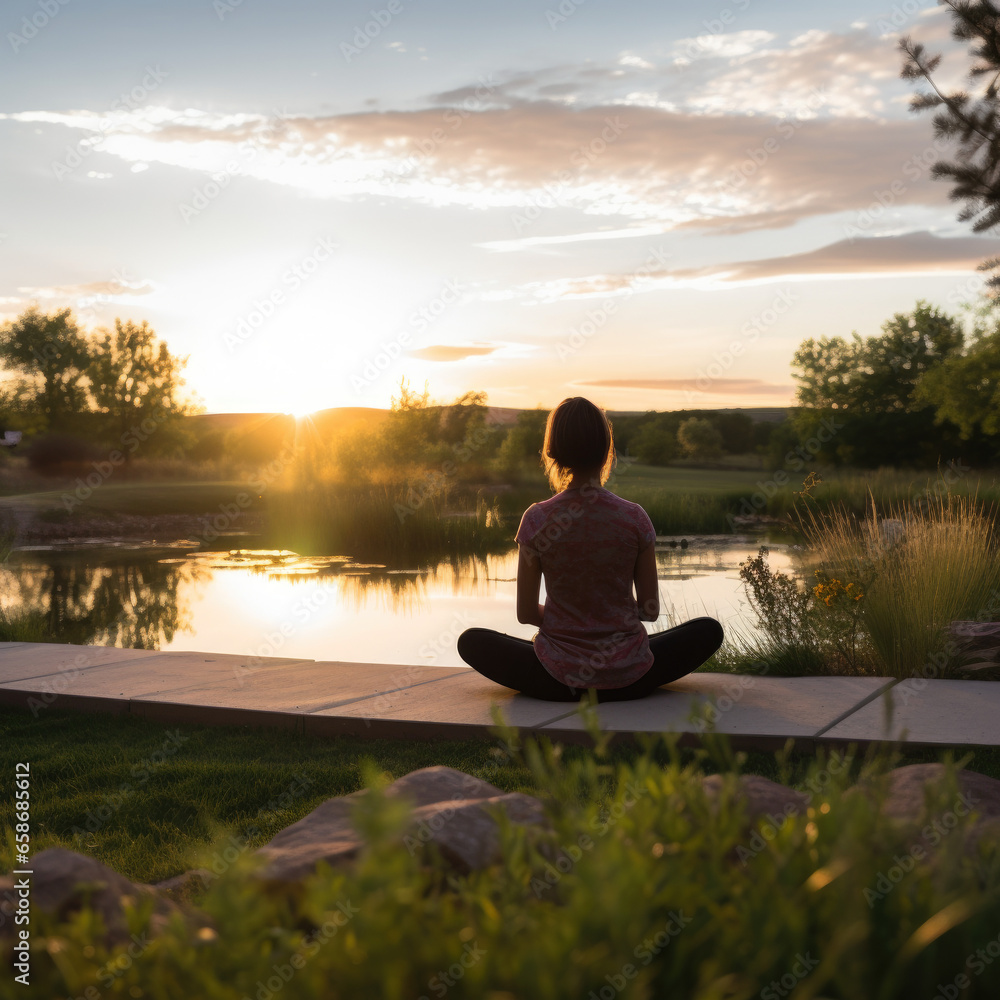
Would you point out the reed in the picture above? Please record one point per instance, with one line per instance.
(918, 566)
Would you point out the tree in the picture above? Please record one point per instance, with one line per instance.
(878, 374)
(973, 124)
(699, 439)
(653, 445)
(521, 448)
(134, 381)
(829, 372)
(52, 355)
(965, 389)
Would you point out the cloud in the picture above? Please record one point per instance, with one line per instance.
(718, 386)
(93, 289)
(448, 352)
(643, 165)
(910, 253)
(881, 256)
(752, 134)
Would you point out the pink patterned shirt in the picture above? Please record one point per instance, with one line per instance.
(587, 541)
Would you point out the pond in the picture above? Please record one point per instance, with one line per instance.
(277, 603)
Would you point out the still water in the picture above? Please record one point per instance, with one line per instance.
(277, 603)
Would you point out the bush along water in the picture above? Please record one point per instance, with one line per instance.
(884, 589)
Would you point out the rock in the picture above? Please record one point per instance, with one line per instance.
(976, 635)
(891, 530)
(978, 646)
(904, 799)
(761, 797)
(62, 881)
(183, 887)
(451, 811)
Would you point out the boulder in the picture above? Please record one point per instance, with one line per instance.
(908, 799)
(62, 881)
(451, 811)
(183, 887)
(907, 788)
(978, 647)
(761, 797)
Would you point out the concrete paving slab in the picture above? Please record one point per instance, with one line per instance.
(931, 712)
(452, 706)
(41, 659)
(37, 660)
(305, 686)
(401, 702)
(740, 705)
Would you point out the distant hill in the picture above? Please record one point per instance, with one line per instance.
(759, 414)
(337, 419)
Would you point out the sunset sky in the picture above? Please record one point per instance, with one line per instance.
(650, 204)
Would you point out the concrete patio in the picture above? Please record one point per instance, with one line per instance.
(333, 698)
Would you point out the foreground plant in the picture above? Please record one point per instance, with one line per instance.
(649, 883)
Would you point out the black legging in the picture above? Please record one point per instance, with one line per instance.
(512, 662)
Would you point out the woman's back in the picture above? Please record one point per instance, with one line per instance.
(587, 541)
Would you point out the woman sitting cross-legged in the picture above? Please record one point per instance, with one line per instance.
(591, 547)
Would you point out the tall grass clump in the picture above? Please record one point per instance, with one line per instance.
(918, 568)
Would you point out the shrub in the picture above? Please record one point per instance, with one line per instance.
(922, 567)
(62, 455)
